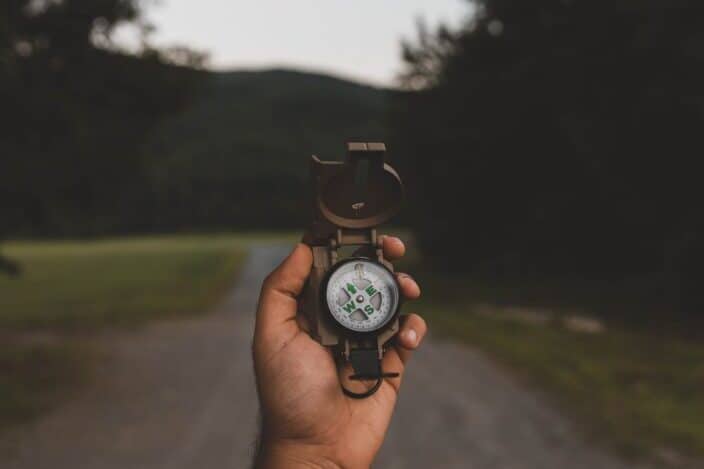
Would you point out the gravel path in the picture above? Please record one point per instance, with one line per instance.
(181, 395)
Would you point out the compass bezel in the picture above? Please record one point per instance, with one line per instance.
(341, 327)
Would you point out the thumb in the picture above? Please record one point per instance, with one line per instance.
(276, 311)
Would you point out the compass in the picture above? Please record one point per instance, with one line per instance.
(361, 295)
(352, 303)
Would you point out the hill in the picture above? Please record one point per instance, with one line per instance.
(237, 157)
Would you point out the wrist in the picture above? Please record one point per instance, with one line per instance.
(294, 455)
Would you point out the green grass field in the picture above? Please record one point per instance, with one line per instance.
(637, 392)
(69, 285)
(70, 289)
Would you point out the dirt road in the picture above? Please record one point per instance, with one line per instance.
(181, 395)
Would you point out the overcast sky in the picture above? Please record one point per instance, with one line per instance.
(352, 38)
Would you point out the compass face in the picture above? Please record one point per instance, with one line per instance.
(362, 295)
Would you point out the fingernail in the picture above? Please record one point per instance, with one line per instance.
(412, 336)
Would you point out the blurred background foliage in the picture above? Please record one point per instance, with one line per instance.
(552, 143)
(99, 141)
(557, 141)
(75, 112)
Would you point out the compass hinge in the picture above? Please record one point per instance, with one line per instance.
(352, 237)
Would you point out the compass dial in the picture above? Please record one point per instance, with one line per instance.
(362, 295)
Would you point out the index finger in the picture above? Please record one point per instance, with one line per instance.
(393, 247)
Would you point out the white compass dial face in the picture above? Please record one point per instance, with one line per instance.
(362, 295)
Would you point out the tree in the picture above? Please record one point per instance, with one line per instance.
(77, 110)
(559, 138)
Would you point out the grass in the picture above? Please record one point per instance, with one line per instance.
(78, 285)
(638, 392)
(69, 289)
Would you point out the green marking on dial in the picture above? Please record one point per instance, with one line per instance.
(370, 296)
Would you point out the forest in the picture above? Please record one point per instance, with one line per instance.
(557, 142)
(544, 142)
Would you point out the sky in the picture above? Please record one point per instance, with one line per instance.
(357, 39)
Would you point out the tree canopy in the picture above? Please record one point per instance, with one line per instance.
(75, 111)
(559, 138)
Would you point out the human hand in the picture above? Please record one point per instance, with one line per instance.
(307, 421)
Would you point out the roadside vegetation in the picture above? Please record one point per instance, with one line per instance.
(71, 285)
(70, 290)
(635, 390)
(540, 202)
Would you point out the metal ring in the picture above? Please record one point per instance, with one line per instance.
(365, 394)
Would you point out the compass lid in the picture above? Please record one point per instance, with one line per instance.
(361, 192)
